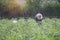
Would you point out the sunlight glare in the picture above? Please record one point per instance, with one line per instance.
(21, 2)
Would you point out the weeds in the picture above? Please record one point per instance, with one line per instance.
(49, 29)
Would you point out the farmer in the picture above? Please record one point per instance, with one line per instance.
(38, 17)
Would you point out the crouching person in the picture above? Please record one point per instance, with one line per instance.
(38, 17)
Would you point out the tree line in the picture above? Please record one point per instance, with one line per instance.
(47, 8)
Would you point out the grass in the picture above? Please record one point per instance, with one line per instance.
(49, 29)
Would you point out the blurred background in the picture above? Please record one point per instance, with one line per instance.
(28, 8)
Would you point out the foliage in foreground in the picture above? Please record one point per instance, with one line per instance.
(28, 29)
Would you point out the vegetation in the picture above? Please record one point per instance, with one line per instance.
(48, 8)
(16, 8)
(29, 29)
(51, 9)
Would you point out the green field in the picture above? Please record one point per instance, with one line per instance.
(28, 29)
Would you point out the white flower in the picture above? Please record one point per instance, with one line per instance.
(14, 21)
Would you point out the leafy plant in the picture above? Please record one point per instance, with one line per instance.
(29, 29)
